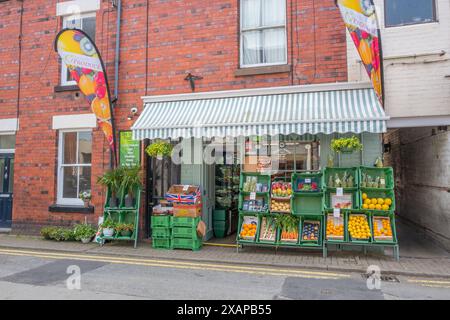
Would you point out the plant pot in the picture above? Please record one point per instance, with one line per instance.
(113, 202)
(86, 240)
(108, 232)
(129, 201)
(126, 233)
(86, 203)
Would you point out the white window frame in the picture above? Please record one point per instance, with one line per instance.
(435, 13)
(242, 31)
(68, 201)
(64, 81)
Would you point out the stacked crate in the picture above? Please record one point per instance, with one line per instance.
(162, 231)
(221, 222)
(184, 233)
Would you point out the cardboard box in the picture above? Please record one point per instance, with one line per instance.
(187, 194)
(257, 164)
(187, 210)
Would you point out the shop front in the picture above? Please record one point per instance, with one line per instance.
(220, 139)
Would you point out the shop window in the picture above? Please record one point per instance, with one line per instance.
(7, 141)
(407, 12)
(263, 33)
(85, 22)
(74, 165)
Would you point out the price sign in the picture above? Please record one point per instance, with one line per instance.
(337, 213)
(307, 180)
(253, 196)
(339, 192)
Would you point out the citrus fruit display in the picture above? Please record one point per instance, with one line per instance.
(248, 231)
(381, 204)
(335, 227)
(358, 227)
(382, 229)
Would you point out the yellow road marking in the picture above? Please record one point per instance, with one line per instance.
(177, 264)
(429, 281)
(226, 245)
(435, 286)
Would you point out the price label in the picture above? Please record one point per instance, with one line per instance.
(308, 180)
(337, 213)
(339, 192)
(253, 196)
(382, 181)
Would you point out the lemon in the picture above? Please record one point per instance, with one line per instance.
(388, 201)
(365, 206)
(364, 196)
(380, 201)
(374, 201)
(371, 206)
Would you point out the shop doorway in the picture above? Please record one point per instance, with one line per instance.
(6, 189)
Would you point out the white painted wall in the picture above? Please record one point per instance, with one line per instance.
(413, 88)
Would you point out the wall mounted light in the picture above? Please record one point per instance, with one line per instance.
(133, 113)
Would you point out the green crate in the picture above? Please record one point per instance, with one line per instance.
(362, 241)
(261, 178)
(220, 228)
(300, 178)
(238, 235)
(220, 214)
(353, 171)
(184, 243)
(164, 221)
(374, 172)
(265, 196)
(258, 240)
(330, 191)
(311, 243)
(185, 232)
(344, 217)
(393, 227)
(307, 203)
(185, 222)
(372, 193)
(158, 232)
(163, 243)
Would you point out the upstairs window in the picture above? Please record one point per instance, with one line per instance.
(85, 22)
(407, 12)
(263, 33)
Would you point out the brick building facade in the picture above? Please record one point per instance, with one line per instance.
(161, 42)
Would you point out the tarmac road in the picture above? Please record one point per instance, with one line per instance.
(26, 274)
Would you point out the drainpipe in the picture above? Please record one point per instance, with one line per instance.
(19, 78)
(118, 5)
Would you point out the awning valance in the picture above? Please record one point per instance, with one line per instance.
(356, 110)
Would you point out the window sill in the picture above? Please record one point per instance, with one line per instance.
(252, 71)
(66, 88)
(70, 209)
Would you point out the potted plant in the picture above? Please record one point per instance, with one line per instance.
(112, 179)
(346, 145)
(131, 181)
(84, 232)
(125, 229)
(159, 149)
(108, 227)
(86, 196)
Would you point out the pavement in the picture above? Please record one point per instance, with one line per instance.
(418, 256)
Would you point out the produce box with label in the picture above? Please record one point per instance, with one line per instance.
(311, 232)
(340, 177)
(307, 182)
(187, 210)
(383, 229)
(289, 229)
(340, 199)
(186, 194)
(249, 227)
(376, 178)
(335, 227)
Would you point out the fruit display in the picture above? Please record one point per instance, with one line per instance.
(289, 228)
(358, 227)
(311, 184)
(341, 202)
(345, 180)
(281, 189)
(251, 185)
(382, 229)
(335, 227)
(268, 229)
(383, 204)
(249, 227)
(280, 206)
(311, 230)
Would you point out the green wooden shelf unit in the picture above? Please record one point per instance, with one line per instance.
(316, 206)
(123, 214)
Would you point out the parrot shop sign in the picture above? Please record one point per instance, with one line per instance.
(361, 21)
(86, 67)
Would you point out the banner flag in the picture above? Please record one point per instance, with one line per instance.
(361, 21)
(86, 67)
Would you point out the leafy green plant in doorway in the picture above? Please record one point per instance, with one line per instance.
(131, 181)
(159, 149)
(346, 145)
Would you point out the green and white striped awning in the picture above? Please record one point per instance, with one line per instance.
(342, 111)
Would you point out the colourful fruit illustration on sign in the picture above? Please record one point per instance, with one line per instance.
(100, 107)
(67, 43)
(87, 86)
(107, 130)
(365, 51)
(376, 80)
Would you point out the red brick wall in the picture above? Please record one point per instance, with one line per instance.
(183, 36)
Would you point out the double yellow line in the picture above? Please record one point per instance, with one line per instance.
(431, 283)
(273, 271)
